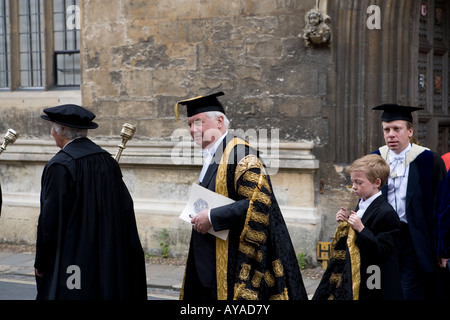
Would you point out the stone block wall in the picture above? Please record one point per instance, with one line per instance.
(141, 57)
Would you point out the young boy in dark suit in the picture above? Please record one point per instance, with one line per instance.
(364, 252)
(377, 228)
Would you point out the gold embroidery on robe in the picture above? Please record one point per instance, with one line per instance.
(256, 280)
(255, 237)
(245, 271)
(248, 162)
(253, 177)
(355, 262)
(269, 279)
(259, 217)
(278, 268)
(280, 296)
(245, 293)
(250, 251)
(336, 278)
(249, 193)
(222, 246)
(344, 229)
(337, 254)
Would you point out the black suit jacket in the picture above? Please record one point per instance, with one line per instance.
(378, 244)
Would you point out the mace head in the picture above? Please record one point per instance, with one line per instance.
(128, 131)
(11, 136)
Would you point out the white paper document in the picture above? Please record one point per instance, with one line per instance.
(200, 199)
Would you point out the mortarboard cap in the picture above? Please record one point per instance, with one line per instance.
(70, 115)
(392, 111)
(201, 104)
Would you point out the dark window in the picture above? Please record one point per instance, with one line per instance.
(67, 43)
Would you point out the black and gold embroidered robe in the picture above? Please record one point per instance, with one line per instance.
(257, 261)
(342, 278)
(353, 255)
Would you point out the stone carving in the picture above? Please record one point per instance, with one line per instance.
(316, 32)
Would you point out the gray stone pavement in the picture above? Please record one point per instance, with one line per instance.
(159, 276)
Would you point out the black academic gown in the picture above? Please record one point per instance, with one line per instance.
(378, 245)
(442, 233)
(425, 172)
(442, 218)
(87, 221)
(201, 263)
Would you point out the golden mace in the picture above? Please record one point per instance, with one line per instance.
(10, 137)
(127, 133)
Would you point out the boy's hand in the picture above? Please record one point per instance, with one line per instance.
(355, 222)
(342, 215)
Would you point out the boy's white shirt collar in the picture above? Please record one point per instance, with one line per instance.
(364, 204)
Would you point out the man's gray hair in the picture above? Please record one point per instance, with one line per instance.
(215, 114)
(69, 132)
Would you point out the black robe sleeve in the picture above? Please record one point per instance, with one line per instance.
(229, 216)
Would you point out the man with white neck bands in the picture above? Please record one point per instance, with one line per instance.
(415, 172)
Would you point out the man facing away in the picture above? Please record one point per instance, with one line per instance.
(257, 261)
(87, 241)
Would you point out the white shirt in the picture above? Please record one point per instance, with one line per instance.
(364, 204)
(398, 182)
(208, 154)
